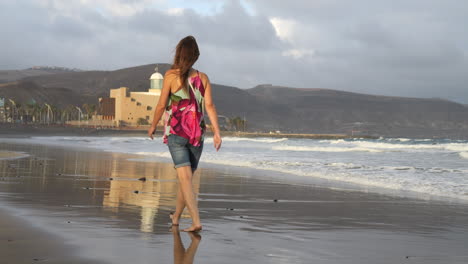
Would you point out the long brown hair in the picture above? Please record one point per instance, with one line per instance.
(186, 55)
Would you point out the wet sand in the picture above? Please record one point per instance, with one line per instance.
(20, 243)
(90, 204)
(6, 155)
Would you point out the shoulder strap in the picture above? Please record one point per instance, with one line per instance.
(191, 87)
(190, 84)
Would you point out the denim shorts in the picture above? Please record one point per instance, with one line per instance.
(183, 153)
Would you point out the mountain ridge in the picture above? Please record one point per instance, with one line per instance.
(271, 108)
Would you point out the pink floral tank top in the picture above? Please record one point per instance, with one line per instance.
(184, 113)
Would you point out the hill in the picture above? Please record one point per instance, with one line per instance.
(15, 75)
(24, 91)
(268, 107)
(261, 114)
(325, 110)
(98, 83)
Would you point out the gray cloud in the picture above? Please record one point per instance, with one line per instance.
(409, 48)
(402, 48)
(232, 28)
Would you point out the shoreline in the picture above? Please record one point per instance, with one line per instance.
(274, 174)
(281, 135)
(19, 130)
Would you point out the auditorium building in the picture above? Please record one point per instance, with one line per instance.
(124, 108)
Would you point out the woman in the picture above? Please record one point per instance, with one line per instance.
(185, 95)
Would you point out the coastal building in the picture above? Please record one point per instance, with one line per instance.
(2, 110)
(124, 108)
(107, 108)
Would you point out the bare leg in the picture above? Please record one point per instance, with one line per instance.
(180, 205)
(185, 182)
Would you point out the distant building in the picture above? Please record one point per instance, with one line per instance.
(3, 117)
(107, 108)
(126, 108)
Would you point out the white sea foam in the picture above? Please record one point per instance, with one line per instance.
(238, 139)
(403, 139)
(463, 155)
(456, 147)
(401, 168)
(337, 141)
(393, 146)
(346, 165)
(323, 149)
(155, 154)
(409, 147)
(228, 162)
(425, 166)
(384, 181)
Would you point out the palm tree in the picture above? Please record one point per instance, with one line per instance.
(90, 110)
(37, 113)
(30, 112)
(70, 113)
(59, 115)
(238, 123)
(55, 113)
(12, 109)
(43, 113)
(19, 111)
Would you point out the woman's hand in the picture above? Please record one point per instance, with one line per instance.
(217, 141)
(151, 131)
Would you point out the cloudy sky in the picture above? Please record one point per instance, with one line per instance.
(416, 48)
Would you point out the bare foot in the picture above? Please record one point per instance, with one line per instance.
(193, 228)
(174, 220)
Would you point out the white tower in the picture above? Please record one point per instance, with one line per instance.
(156, 80)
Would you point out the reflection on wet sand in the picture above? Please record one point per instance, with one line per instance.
(112, 180)
(150, 187)
(96, 200)
(181, 255)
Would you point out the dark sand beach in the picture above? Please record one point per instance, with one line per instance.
(21, 242)
(89, 206)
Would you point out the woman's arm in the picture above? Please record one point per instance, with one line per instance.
(211, 111)
(161, 106)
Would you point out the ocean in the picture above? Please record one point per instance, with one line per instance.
(422, 168)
